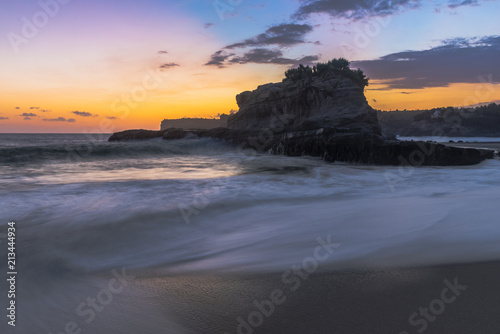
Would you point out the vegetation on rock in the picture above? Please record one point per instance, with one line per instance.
(338, 66)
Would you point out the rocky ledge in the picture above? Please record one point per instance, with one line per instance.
(321, 114)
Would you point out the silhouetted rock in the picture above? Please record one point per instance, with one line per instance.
(325, 116)
(312, 103)
(136, 135)
(174, 134)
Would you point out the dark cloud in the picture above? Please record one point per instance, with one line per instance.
(162, 52)
(83, 114)
(219, 58)
(45, 110)
(456, 61)
(406, 93)
(28, 114)
(262, 56)
(110, 117)
(60, 119)
(27, 118)
(2, 118)
(355, 9)
(282, 35)
(459, 3)
(208, 25)
(34, 107)
(168, 65)
(258, 56)
(17, 108)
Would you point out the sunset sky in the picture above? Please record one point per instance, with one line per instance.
(109, 65)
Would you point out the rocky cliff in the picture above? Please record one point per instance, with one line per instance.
(324, 115)
(330, 101)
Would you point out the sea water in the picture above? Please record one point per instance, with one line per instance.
(85, 206)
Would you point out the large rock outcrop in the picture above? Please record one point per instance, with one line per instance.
(325, 116)
(329, 101)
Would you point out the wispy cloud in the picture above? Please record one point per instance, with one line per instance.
(28, 114)
(460, 3)
(258, 56)
(3, 118)
(110, 117)
(59, 119)
(168, 65)
(265, 48)
(162, 52)
(355, 9)
(282, 35)
(83, 114)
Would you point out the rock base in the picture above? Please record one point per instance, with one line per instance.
(331, 145)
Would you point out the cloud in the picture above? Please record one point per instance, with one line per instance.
(168, 65)
(45, 110)
(27, 118)
(59, 119)
(110, 117)
(83, 114)
(354, 9)
(34, 107)
(208, 25)
(258, 56)
(2, 118)
(162, 52)
(282, 35)
(457, 60)
(257, 49)
(17, 108)
(219, 58)
(28, 114)
(459, 3)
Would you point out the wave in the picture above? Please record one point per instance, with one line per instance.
(97, 150)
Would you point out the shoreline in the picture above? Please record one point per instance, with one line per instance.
(478, 145)
(355, 301)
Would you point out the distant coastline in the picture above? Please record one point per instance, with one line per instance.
(480, 121)
(195, 123)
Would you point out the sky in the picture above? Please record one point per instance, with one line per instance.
(102, 66)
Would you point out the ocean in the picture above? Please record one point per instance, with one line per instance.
(85, 207)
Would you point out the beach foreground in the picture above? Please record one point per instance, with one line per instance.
(462, 298)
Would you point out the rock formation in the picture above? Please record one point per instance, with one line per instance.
(324, 115)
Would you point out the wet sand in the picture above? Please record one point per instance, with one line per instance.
(463, 298)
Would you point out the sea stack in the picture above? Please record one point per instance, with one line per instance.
(322, 112)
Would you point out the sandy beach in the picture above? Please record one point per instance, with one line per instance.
(455, 299)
